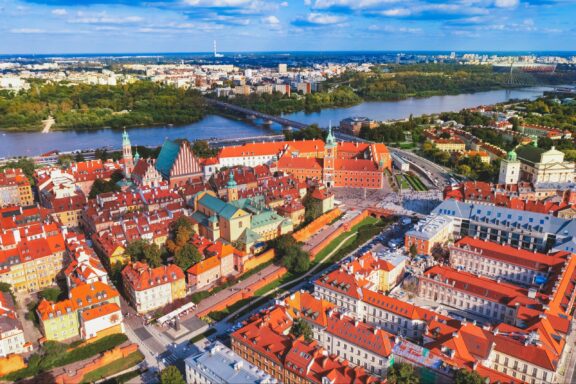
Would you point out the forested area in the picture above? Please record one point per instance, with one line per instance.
(86, 106)
(277, 103)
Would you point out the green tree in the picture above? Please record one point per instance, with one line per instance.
(153, 255)
(102, 186)
(203, 150)
(413, 250)
(79, 157)
(301, 328)
(291, 254)
(187, 256)
(171, 375)
(312, 208)
(464, 376)
(141, 250)
(402, 373)
(51, 294)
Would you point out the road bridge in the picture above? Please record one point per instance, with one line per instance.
(251, 113)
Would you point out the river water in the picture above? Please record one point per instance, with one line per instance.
(35, 143)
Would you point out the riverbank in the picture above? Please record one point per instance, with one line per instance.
(224, 126)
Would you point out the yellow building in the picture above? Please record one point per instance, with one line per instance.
(450, 145)
(33, 265)
(61, 320)
(218, 219)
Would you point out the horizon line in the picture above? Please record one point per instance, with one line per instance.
(210, 53)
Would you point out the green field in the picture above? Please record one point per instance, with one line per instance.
(402, 182)
(415, 183)
(114, 367)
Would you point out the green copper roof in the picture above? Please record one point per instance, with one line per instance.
(167, 157)
(231, 182)
(249, 236)
(530, 154)
(512, 155)
(125, 139)
(136, 156)
(216, 205)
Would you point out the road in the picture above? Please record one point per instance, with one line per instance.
(436, 171)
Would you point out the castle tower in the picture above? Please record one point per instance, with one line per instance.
(330, 149)
(509, 169)
(127, 155)
(232, 188)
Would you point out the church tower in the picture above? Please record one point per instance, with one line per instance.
(232, 188)
(127, 155)
(330, 149)
(509, 169)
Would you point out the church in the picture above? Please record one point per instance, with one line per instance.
(536, 165)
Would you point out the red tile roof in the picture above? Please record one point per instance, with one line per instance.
(141, 277)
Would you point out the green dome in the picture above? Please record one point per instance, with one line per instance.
(512, 155)
(231, 181)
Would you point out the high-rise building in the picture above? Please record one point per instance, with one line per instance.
(282, 68)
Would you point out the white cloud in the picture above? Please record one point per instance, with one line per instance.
(271, 20)
(27, 30)
(393, 29)
(103, 19)
(284, 4)
(322, 19)
(353, 4)
(59, 12)
(506, 3)
(396, 12)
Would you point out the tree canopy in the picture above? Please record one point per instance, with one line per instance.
(141, 250)
(402, 373)
(171, 375)
(291, 254)
(89, 106)
(301, 328)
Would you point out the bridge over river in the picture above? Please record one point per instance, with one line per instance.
(251, 113)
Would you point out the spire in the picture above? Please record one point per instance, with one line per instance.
(330, 141)
(136, 156)
(125, 139)
(231, 181)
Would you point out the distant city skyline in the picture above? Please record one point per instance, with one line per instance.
(141, 26)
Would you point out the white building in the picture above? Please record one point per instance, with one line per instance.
(100, 318)
(11, 332)
(497, 261)
(219, 364)
(509, 169)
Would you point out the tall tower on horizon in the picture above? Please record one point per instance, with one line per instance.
(216, 54)
(127, 155)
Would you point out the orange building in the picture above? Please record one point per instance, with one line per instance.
(342, 164)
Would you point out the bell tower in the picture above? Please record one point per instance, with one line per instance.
(232, 188)
(127, 155)
(330, 149)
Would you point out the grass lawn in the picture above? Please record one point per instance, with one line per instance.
(114, 367)
(402, 182)
(40, 362)
(416, 183)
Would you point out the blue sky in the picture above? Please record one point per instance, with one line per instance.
(94, 26)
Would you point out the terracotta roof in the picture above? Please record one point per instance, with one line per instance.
(99, 311)
(141, 277)
(488, 289)
(532, 260)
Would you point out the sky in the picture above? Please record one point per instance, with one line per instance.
(140, 26)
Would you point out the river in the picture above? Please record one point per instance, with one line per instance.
(35, 143)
